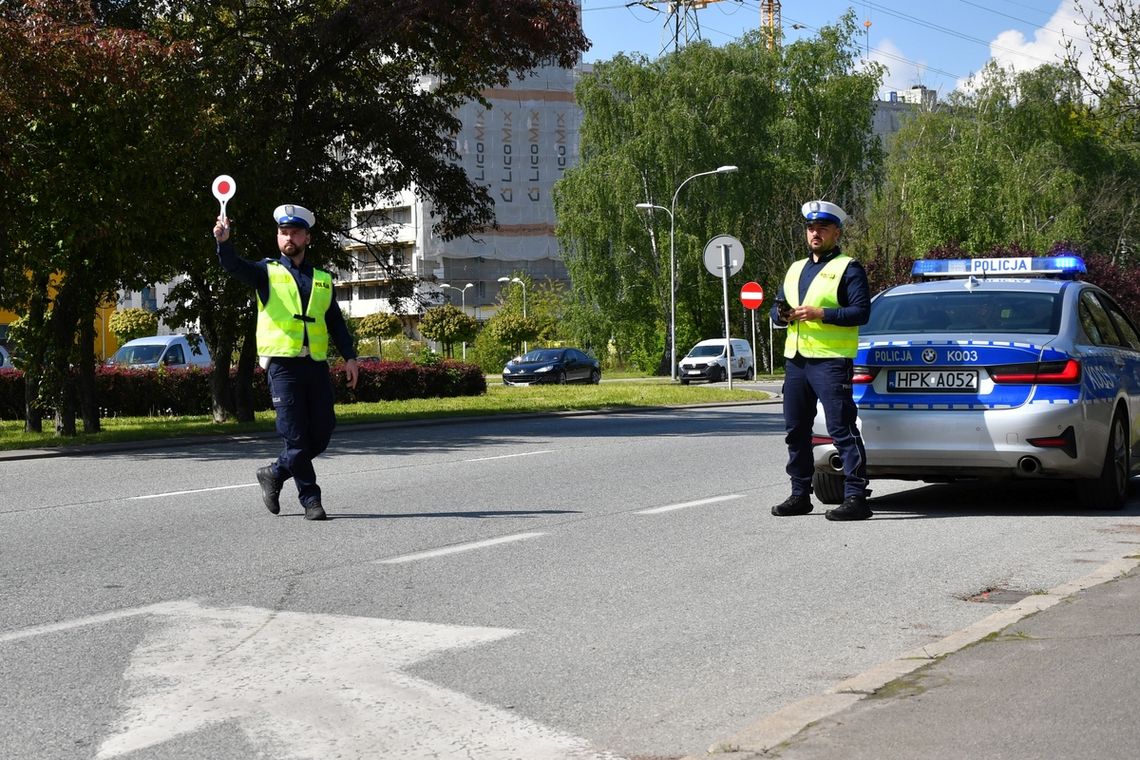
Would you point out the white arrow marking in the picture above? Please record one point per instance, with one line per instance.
(319, 686)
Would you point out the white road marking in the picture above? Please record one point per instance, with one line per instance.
(313, 686)
(196, 490)
(510, 456)
(106, 617)
(687, 504)
(457, 548)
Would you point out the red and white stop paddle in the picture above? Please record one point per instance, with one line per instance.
(224, 188)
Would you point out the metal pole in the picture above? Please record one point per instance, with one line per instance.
(754, 354)
(725, 265)
(672, 294)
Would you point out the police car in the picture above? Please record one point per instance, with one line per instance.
(999, 368)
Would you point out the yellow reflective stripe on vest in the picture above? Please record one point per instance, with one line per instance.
(280, 330)
(815, 339)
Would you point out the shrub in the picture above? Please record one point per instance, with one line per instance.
(131, 392)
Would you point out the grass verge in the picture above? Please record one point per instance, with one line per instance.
(498, 400)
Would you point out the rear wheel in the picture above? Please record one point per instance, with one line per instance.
(1110, 489)
(828, 487)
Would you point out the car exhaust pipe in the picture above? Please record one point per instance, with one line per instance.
(835, 462)
(1028, 465)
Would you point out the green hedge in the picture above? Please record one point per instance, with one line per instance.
(126, 392)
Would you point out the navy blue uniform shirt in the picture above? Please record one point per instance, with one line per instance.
(854, 293)
(256, 275)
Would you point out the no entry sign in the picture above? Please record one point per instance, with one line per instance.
(752, 295)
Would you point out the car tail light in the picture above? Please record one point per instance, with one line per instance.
(1066, 442)
(864, 375)
(1064, 372)
(822, 440)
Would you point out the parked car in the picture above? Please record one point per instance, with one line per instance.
(996, 368)
(5, 359)
(173, 351)
(552, 365)
(707, 361)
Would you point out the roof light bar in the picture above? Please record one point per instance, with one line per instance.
(1065, 266)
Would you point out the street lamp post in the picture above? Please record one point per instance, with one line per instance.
(520, 282)
(672, 211)
(462, 300)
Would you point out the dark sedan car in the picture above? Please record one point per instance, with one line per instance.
(552, 365)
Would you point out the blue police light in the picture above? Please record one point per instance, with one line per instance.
(1066, 266)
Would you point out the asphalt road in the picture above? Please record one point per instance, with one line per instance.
(548, 587)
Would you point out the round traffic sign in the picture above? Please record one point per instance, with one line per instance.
(752, 295)
(714, 255)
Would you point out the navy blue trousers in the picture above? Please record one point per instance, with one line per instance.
(303, 400)
(828, 382)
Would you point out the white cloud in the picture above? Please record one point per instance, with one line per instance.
(1011, 49)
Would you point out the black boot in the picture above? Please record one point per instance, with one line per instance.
(314, 511)
(270, 488)
(796, 504)
(852, 508)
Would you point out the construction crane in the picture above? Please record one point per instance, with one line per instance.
(770, 14)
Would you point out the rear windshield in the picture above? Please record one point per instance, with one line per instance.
(965, 312)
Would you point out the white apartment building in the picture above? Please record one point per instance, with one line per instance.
(517, 149)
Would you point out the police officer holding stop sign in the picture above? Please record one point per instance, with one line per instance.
(823, 300)
(297, 314)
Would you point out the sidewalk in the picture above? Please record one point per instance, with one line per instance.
(1056, 675)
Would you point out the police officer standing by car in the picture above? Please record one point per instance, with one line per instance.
(823, 300)
(297, 314)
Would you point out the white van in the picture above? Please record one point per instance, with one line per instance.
(173, 351)
(706, 361)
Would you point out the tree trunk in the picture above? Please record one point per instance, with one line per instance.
(243, 383)
(88, 393)
(64, 325)
(34, 359)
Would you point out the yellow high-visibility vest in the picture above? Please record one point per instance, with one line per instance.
(818, 340)
(280, 322)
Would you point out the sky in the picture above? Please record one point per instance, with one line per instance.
(938, 43)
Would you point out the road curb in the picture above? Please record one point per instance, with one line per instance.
(759, 738)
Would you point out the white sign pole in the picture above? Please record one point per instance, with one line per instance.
(725, 266)
(754, 354)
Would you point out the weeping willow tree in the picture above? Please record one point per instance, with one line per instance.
(795, 121)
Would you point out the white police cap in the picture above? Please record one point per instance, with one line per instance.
(295, 215)
(824, 211)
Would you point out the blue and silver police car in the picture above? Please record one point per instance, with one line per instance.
(996, 368)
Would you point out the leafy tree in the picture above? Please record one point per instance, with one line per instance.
(797, 123)
(379, 326)
(128, 324)
(92, 121)
(448, 325)
(336, 104)
(1113, 31)
(1021, 161)
(122, 112)
(510, 328)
